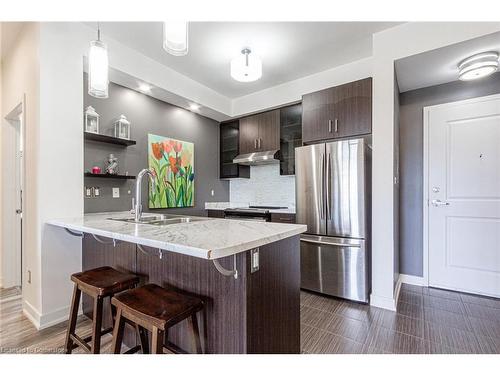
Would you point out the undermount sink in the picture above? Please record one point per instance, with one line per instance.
(161, 219)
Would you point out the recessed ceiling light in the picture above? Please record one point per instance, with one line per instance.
(194, 107)
(246, 67)
(144, 87)
(478, 66)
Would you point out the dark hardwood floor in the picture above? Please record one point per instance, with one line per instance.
(427, 321)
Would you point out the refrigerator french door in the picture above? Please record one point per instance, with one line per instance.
(332, 185)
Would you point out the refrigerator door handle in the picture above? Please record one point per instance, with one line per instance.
(340, 244)
(322, 194)
(328, 186)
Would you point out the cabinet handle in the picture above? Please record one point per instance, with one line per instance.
(255, 143)
(260, 143)
(329, 126)
(336, 125)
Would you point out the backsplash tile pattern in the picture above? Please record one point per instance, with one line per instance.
(264, 187)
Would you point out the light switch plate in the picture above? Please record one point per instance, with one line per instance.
(116, 192)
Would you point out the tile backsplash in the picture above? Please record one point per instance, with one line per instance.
(264, 187)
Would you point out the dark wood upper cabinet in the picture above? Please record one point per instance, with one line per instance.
(260, 132)
(229, 149)
(337, 112)
(290, 137)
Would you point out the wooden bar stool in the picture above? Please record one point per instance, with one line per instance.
(98, 283)
(156, 309)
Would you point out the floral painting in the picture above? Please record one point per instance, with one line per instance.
(172, 162)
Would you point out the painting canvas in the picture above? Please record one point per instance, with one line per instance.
(172, 162)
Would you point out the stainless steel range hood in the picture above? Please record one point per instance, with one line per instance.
(257, 158)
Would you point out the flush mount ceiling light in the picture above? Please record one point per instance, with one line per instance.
(246, 67)
(175, 37)
(98, 68)
(478, 66)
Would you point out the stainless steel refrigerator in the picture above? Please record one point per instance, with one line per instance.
(333, 182)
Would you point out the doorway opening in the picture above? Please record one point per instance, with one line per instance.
(13, 132)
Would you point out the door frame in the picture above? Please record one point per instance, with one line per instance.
(425, 183)
(18, 112)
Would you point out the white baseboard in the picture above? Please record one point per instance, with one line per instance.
(32, 314)
(41, 321)
(383, 302)
(397, 289)
(413, 280)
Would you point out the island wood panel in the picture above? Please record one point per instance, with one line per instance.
(273, 299)
(121, 257)
(222, 320)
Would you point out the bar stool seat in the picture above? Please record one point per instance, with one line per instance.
(104, 281)
(156, 309)
(97, 283)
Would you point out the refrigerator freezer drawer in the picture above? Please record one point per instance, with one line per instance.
(335, 266)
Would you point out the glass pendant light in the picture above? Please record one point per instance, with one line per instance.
(246, 67)
(175, 37)
(98, 68)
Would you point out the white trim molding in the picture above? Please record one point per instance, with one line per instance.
(383, 302)
(412, 280)
(41, 321)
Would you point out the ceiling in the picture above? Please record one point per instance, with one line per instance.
(440, 65)
(289, 50)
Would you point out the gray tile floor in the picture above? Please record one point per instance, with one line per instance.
(427, 321)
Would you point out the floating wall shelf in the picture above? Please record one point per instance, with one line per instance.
(114, 176)
(108, 139)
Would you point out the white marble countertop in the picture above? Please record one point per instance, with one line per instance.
(224, 205)
(208, 239)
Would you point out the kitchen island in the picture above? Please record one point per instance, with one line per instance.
(247, 273)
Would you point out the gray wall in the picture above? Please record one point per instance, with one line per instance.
(149, 115)
(411, 159)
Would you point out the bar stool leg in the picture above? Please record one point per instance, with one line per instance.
(193, 325)
(143, 336)
(96, 325)
(75, 304)
(157, 341)
(118, 332)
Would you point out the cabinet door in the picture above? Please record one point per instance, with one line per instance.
(353, 108)
(317, 113)
(229, 149)
(269, 130)
(290, 137)
(249, 132)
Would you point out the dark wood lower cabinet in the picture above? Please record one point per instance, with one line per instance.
(283, 218)
(257, 313)
(216, 213)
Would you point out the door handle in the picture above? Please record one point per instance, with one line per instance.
(329, 126)
(18, 211)
(322, 195)
(255, 143)
(340, 244)
(260, 140)
(437, 203)
(336, 125)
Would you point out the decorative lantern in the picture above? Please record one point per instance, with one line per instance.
(122, 128)
(91, 120)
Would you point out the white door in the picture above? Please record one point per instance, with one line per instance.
(464, 195)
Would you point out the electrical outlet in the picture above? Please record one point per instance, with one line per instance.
(116, 192)
(88, 192)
